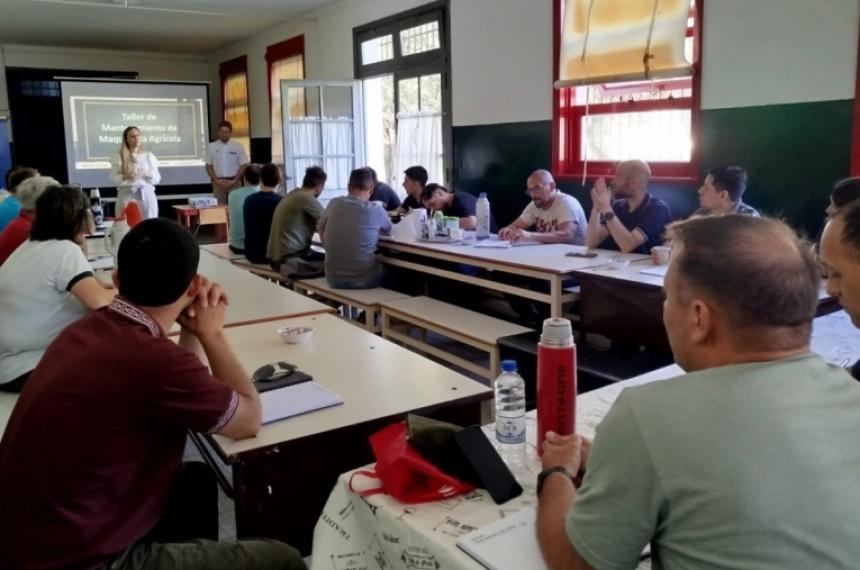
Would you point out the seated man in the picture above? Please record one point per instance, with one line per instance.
(350, 229)
(746, 461)
(102, 488)
(844, 192)
(384, 193)
(635, 221)
(236, 201)
(456, 204)
(840, 256)
(722, 193)
(293, 227)
(414, 181)
(554, 216)
(258, 212)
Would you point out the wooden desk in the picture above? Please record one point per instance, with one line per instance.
(253, 299)
(7, 403)
(283, 476)
(542, 262)
(213, 215)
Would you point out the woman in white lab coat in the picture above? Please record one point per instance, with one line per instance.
(135, 172)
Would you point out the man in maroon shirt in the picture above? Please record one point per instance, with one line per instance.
(91, 459)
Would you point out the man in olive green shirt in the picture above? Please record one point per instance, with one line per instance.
(748, 461)
(293, 225)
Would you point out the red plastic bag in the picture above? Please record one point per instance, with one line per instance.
(404, 473)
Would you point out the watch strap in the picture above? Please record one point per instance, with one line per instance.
(542, 476)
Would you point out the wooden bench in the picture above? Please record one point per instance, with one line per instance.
(367, 300)
(263, 270)
(465, 326)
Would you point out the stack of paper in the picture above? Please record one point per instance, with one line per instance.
(296, 400)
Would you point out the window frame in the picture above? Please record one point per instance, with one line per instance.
(571, 169)
(854, 167)
(408, 66)
(286, 49)
(228, 69)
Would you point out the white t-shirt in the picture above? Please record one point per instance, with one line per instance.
(35, 302)
(145, 169)
(565, 208)
(226, 158)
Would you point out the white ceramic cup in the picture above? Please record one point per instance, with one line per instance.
(660, 254)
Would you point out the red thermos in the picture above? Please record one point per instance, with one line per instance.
(556, 380)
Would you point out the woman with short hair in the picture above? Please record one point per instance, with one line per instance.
(18, 229)
(46, 284)
(135, 172)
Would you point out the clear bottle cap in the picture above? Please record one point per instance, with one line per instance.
(557, 332)
(482, 195)
(509, 365)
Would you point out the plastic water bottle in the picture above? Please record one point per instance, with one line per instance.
(510, 389)
(482, 213)
(96, 208)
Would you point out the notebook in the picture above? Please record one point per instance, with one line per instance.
(511, 544)
(506, 544)
(502, 244)
(296, 400)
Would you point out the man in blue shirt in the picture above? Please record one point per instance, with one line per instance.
(635, 221)
(258, 212)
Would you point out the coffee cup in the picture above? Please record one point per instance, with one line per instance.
(660, 254)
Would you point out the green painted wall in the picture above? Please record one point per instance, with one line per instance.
(793, 153)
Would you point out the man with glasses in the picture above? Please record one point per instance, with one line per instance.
(553, 216)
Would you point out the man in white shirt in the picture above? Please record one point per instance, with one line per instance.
(226, 163)
(555, 217)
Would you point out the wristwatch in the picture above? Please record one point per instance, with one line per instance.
(547, 472)
(608, 216)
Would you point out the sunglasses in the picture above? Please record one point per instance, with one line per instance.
(274, 372)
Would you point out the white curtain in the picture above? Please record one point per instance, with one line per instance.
(419, 142)
(316, 142)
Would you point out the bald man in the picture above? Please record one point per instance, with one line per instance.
(635, 221)
(749, 460)
(840, 256)
(552, 216)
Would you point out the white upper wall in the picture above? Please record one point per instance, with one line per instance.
(501, 61)
(768, 52)
(328, 49)
(757, 52)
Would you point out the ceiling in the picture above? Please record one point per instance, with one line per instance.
(174, 26)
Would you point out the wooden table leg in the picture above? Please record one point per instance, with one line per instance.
(555, 291)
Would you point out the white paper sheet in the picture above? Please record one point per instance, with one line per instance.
(296, 400)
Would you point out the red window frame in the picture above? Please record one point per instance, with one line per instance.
(855, 124)
(228, 69)
(566, 118)
(280, 51)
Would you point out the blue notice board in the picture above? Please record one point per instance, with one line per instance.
(5, 150)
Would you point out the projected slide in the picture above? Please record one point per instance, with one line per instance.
(172, 119)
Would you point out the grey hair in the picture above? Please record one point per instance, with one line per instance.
(545, 175)
(30, 190)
